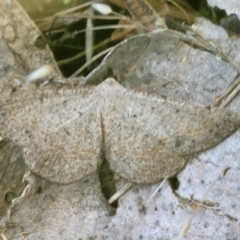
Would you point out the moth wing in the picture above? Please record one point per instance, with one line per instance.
(148, 138)
(59, 130)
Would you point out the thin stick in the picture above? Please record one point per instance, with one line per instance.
(90, 61)
(3, 236)
(231, 96)
(185, 227)
(231, 88)
(160, 186)
(119, 193)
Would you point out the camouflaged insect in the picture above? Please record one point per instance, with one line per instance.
(145, 138)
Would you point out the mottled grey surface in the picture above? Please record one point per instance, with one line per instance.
(165, 63)
(230, 6)
(79, 211)
(19, 46)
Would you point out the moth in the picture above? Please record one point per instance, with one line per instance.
(66, 132)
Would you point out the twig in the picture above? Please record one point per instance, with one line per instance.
(228, 93)
(120, 192)
(160, 186)
(90, 61)
(145, 14)
(16, 202)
